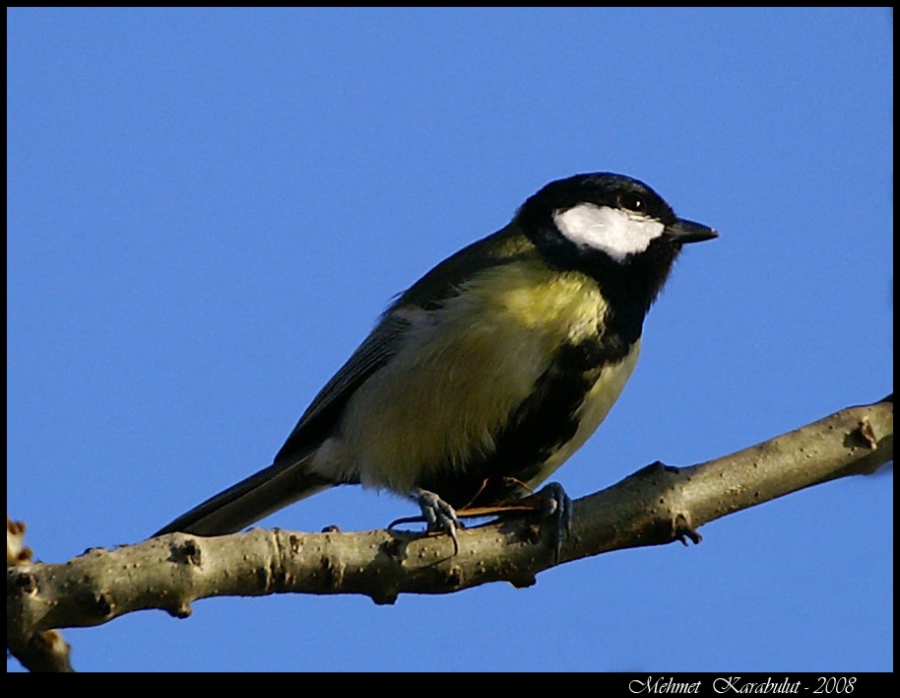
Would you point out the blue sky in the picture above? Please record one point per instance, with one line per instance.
(207, 210)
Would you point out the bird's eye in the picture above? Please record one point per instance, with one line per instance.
(633, 202)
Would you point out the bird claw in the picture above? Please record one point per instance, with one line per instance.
(557, 504)
(438, 515)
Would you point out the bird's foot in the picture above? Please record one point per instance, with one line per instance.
(551, 502)
(436, 513)
(557, 505)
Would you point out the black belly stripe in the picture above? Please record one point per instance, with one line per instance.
(544, 422)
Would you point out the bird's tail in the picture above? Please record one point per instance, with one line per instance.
(250, 500)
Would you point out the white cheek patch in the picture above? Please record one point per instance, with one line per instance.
(616, 232)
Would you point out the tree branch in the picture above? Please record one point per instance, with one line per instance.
(656, 505)
(45, 651)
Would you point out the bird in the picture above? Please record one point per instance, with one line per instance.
(489, 372)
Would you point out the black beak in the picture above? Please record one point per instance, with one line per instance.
(682, 231)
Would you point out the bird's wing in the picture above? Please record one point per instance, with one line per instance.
(318, 419)
(412, 307)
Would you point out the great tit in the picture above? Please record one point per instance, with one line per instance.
(484, 376)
